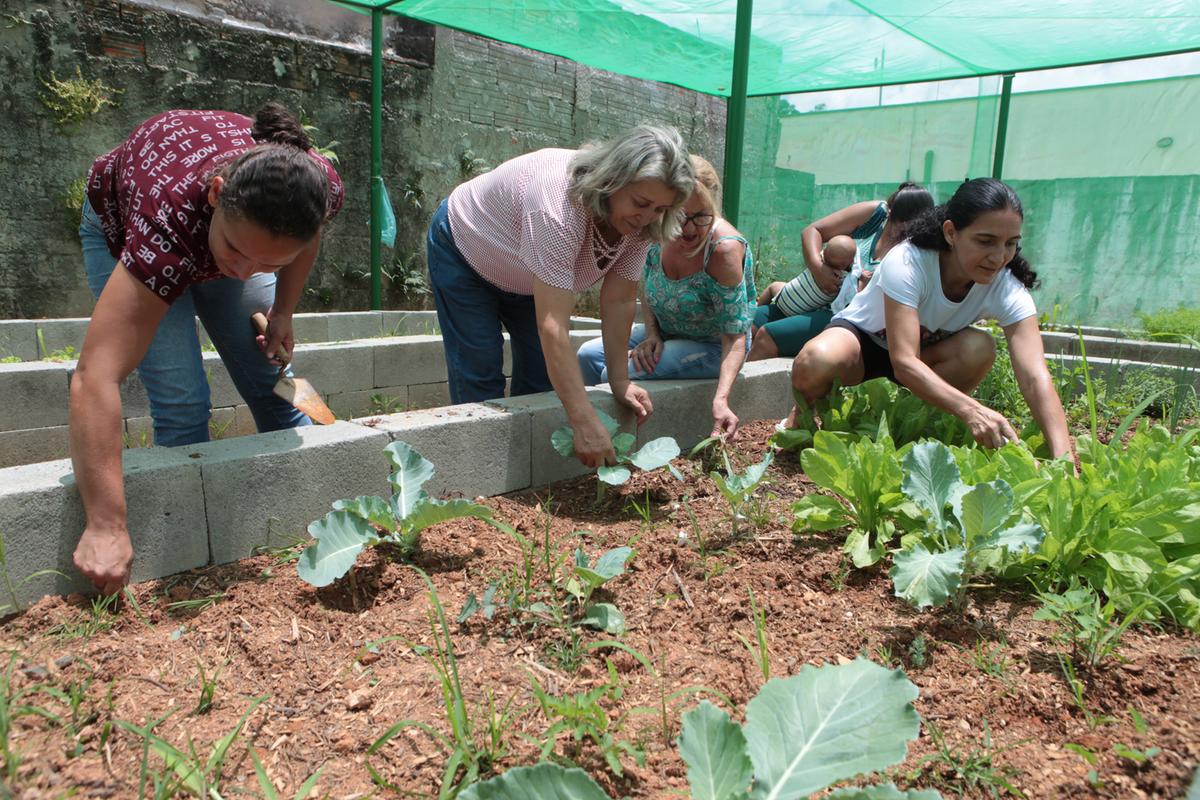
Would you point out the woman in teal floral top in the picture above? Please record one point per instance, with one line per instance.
(697, 301)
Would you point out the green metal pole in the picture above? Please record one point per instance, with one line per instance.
(376, 158)
(735, 111)
(1002, 126)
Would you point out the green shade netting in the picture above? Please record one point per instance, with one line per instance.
(807, 45)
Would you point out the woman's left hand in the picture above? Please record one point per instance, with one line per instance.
(646, 354)
(725, 422)
(636, 398)
(279, 332)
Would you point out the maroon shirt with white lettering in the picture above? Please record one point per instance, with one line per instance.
(151, 194)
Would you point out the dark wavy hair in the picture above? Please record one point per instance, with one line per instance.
(277, 185)
(974, 197)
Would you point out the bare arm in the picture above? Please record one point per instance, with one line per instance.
(618, 304)
(989, 428)
(815, 234)
(725, 267)
(553, 308)
(122, 326)
(288, 288)
(1029, 365)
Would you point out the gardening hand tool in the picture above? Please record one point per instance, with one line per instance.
(296, 391)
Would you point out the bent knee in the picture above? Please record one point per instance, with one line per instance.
(978, 347)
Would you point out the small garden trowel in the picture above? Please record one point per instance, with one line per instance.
(296, 391)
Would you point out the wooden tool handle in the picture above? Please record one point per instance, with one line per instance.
(260, 324)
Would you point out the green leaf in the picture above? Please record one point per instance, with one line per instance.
(825, 463)
(543, 781)
(613, 476)
(1025, 537)
(604, 617)
(563, 440)
(468, 609)
(714, 748)
(412, 471)
(828, 724)
(931, 479)
(983, 509)
(927, 579)
(340, 537)
(374, 510)
(431, 512)
(612, 562)
(608, 422)
(623, 443)
(819, 512)
(656, 453)
(884, 791)
(792, 439)
(858, 547)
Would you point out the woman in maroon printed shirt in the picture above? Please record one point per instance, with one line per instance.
(203, 214)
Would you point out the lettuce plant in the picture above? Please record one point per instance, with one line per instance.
(802, 734)
(369, 520)
(969, 529)
(737, 488)
(653, 455)
(866, 475)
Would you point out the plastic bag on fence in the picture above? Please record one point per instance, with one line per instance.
(387, 231)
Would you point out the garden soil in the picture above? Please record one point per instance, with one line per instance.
(339, 666)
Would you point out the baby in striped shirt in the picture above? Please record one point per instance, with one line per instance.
(801, 294)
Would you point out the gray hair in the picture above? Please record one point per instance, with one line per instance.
(646, 153)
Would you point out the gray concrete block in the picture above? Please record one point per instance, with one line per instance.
(18, 337)
(60, 334)
(41, 518)
(34, 445)
(428, 395)
(34, 394)
(407, 360)
(221, 390)
(1108, 348)
(409, 323)
(223, 423)
(763, 390)
(309, 328)
(682, 410)
(345, 326)
(547, 415)
(585, 324)
(267, 488)
(581, 337)
(476, 449)
(244, 421)
(337, 367)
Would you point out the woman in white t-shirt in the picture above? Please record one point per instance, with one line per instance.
(961, 263)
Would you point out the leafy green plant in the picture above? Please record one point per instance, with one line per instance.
(368, 520)
(653, 455)
(792, 745)
(386, 404)
(1090, 627)
(587, 578)
(978, 533)
(582, 715)
(918, 651)
(866, 475)
(12, 586)
(738, 487)
(1173, 325)
(72, 202)
(74, 100)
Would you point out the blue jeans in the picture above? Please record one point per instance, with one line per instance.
(172, 369)
(681, 359)
(470, 312)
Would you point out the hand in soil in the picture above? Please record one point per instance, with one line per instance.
(104, 556)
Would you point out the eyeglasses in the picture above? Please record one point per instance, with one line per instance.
(701, 220)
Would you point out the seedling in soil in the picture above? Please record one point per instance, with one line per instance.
(368, 521)
(1090, 627)
(960, 772)
(208, 688)
(267, 787)
(469, 756)
(917, 652)
(582, 715)
(760, 651)
(188, 770)
(653, 455)
(1078, 694)
(99, 617)
(737, 488)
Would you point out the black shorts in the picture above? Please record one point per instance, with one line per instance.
(877, 362)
